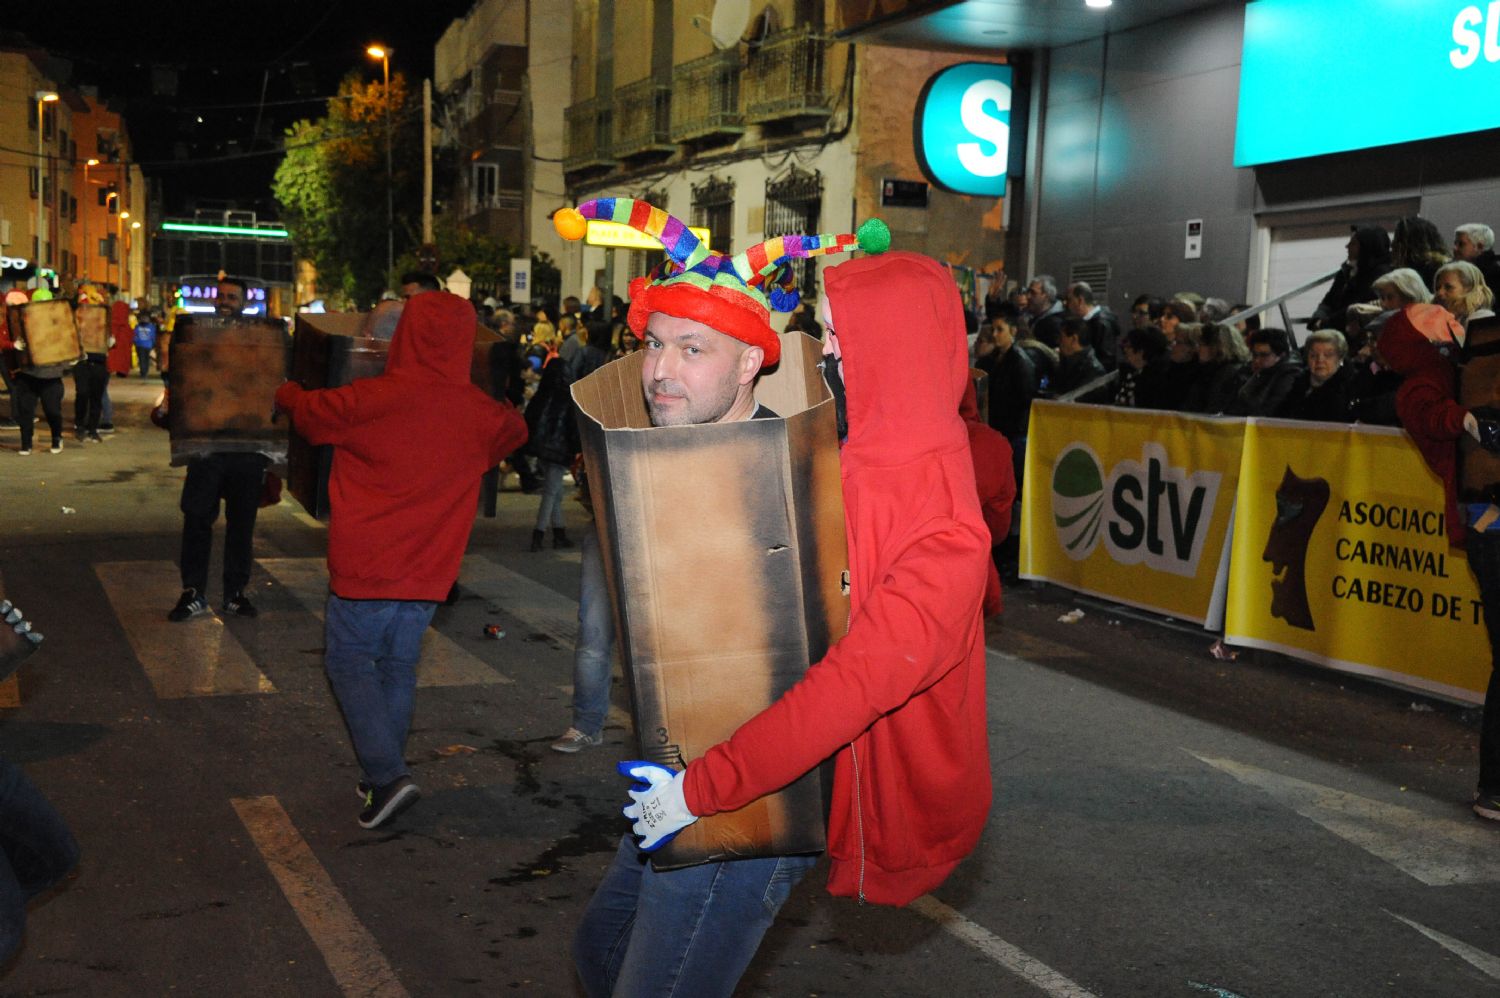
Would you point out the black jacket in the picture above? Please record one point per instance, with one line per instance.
(551, 417)
(1328, 402)
(1266, 390)
(1216, 388)
(1146, 388)
(1012, 388)
(1104, 335)
(1353, 283)
(1372, 396)
(1076, 371)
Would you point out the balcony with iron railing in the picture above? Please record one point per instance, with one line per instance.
(643, 116)
(706, 98)
(588, 126)
(786, 77)
(500, 122)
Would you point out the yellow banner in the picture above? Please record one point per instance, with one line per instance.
(1131, 505)
(1341, 556)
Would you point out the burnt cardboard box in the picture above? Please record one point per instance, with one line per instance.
(93, 328)
(724, 549)
(224, 374)
(49, 330)
(1479, 388)
(330, 350)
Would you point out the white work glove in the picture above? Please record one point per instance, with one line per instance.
(111, 343)
(20, 344)
(659, 810)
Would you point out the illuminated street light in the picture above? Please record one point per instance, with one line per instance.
(88, 254)
(43, 97)
(381, 52)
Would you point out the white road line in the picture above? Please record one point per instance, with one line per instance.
(1028, 968)
(444, 662)
(1472, 955)
(1438, 851)
(348, 948)
(298, 513)
(190, 659)
(533, 604)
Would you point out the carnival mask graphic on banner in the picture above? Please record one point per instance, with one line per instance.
(1300, 503)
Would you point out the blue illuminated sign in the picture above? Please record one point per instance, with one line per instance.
(1305, 92)
(962, 128)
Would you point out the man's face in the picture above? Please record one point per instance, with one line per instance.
(1067, 344)
(1037, 300)
(412, 289)
(693, 373)
(230, 300)
(1078, 306)
(1262, 356)
(1464, 248)
(1005, 336)
(1140, 316)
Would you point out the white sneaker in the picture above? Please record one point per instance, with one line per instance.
(24, 452)
(574, 740)
(56, 447)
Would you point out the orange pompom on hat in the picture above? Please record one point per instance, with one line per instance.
(734, 295)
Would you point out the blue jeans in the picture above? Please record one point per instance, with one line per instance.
(371, 660)
(596, 637)
(687, 933)
(552, 496)
(36, 851)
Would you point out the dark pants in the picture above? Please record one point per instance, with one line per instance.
(29, 391)
(1484, 562)
(237, 479)
(90, 379)
(36, 851)
(143, 358)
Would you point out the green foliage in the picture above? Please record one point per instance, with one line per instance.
(331, 185)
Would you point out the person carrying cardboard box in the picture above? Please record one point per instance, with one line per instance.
(898, 703)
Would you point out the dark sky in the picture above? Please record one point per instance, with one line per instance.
(225, 60)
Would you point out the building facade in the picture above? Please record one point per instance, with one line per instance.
(111, 231)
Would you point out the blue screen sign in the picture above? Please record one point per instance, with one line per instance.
(962, 128)
(1303, 94)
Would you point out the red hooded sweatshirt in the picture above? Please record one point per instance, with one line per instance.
(995, 478)
(899, 702)
(1409, 345)
(118, 360)
(409, 449)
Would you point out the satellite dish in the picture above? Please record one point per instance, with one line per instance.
(730, 19)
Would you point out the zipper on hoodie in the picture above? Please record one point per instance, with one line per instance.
(859, 822)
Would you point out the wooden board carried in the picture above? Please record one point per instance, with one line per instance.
(224, 374)
(93, 328)
(49, 332)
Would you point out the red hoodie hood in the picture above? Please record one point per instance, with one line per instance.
(968, 406)
(1411, 339)
(900, 324)
(434, 341)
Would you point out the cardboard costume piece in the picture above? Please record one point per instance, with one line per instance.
(330, 350)
(224, 375)
(50, 333)
(93, 328)
(1479, 388)
(724, 550)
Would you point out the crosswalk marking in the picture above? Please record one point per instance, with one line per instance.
(195, 658)
(444, 662)
(1436, 851)
(1017, 961)
(350, 951)
(533, 604)
(1472, 955)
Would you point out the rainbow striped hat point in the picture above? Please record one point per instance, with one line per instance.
(734, 295)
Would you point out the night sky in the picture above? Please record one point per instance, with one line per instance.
(242, 72)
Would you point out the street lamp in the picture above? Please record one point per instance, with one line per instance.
(43, 98)
(126, 289)
(120, 247)
(88, 254)
(383, 53)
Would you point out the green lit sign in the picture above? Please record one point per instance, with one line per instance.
(226, 230)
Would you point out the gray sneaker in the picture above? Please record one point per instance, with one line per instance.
(574, 740)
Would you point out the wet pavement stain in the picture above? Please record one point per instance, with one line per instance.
(526, 758)
(594, 834)
(151, 916)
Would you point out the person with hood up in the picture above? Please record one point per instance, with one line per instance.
(409, 448)
(1369, 250)
(899, 702)
(995, 480)
(1418, 343)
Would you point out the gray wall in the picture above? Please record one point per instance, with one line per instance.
(1120, 185)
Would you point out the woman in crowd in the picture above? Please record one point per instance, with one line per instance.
(1322, 388)
(1369, 257)
(1459, 287)
(1183, 369)
(1400, 288)
(553, 441)
(1419, 246)
(1143, 376)
(1272, 373)
(1173, 314)
(1223, 366)
(1146, 311)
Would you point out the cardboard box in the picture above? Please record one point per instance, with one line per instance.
(1479, 387)
(224, 375)
(49, 331)
(724, 549)
(93, 328)
(330, 350)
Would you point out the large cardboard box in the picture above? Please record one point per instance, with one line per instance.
(93, 328)
(330, 350)
(1479, 388)
(224, 375)
(49, 331)
(724, 549)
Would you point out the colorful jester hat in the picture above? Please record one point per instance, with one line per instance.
(734, 295)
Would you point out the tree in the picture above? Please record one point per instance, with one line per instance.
(331, 185)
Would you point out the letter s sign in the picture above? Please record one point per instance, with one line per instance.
(962, 128)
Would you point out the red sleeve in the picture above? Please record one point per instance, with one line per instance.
(509, 435)
(1427, 411)
(322, 416)
(914, 628)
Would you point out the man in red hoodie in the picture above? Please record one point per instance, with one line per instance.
(409, 449)
(899, 702)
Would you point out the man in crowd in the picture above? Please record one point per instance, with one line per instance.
(234, 478)
(1102, 326)
(1046, 311)
(1272, 375)
(1475, 243)
(1077, 365)
(416, 282)
(409, 449)
(898, 703)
